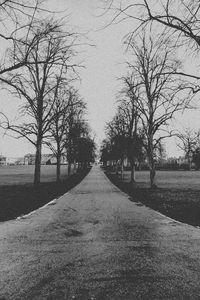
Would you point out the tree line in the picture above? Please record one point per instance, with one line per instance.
(156, 85)
(39, 67)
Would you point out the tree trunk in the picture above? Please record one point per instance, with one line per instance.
(132, 171)
(39, 140)
(153, 177)
(189, 164)
(152, 171)
(122, 169)
(116, 168)
(152, 164)
(74, 167)
(69, 168)
(38, 160)
(58, 167)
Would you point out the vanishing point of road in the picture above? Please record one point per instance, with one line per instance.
(94, 243)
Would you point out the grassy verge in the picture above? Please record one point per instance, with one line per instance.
(17, 200)
(180, 204)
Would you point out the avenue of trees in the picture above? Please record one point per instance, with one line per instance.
(156, 81)
(153, 96)
(40, 65)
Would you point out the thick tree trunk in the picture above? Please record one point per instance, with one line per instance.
(38, 161)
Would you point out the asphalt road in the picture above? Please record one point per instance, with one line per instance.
(94, 243)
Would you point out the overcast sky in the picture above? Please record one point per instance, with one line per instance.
(103, 65)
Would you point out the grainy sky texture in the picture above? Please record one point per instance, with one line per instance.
(103, 65)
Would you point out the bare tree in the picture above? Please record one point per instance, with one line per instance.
(17, 19)
(179, 20)
(128, 108)
(124, 142)
(52, 51)
(182, 17)
(74, 125)
(116, 131)
(65, 101)
(83, 144)
(189, 142)
(153, 68)
(57, 129)
(105, 152)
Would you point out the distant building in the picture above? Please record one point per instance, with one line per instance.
(182, 160)
(3, 160)
(172, 160)
(11, 161)
(46, 159)
(19, 161)
(29, 159)
(186, 162)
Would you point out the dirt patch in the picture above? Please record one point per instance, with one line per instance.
(73, 232)
(17, 200)
(180, 204)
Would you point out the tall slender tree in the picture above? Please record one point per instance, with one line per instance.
(57, 129)
(128, 108)
(153, 68)
(75, 117)
(66, 101)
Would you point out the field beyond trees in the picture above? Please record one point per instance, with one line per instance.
(168, 179)
(177, 195)
(19, 196)
(10, 175)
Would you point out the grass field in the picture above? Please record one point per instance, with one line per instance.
(177, 195)
(168, 179)
(12, 175)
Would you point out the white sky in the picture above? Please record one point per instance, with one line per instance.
(99, 84)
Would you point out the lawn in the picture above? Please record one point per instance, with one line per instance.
(18, 195)
(169, 179)
(177, 195)
(11, 175)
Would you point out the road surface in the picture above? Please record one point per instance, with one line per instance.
(94, 243)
